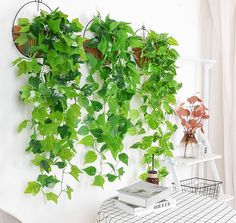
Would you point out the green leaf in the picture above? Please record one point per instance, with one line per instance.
(111, 177)
(52, 197)
(123, 157)
(33, 188)
(23, 21)
(66, 154)
(22, 39)
(87, 141)
(167, 152)
(22, 125)
(97, 106)
(22, 68)
(37, 160)
(62, 47)
(34, 82)
(134, 114)
(111, 89)
(102, 46)
(135, 42)
(16, 61)
(83, 101)
(60, 165)
(25, 29)
(72, 115)
(113, 25)
(97, 132)
(121, 172)
(75, 172)
(44, 165)
(54, 25)
(135, 145)
(113, 105)
(98, 181)
(163, 172)
(101, 121)
(39, 114)
(90, 157)
(143, 176)
(48, 181)
(35, 146)
(146, 142)
(69, 192)
(132, 131)
(83, 130)
(76, 26)
(91, 170)
(172, 41)
(64, 131)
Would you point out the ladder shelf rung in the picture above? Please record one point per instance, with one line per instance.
(191, 161)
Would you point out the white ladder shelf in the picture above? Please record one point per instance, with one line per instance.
(209, 157)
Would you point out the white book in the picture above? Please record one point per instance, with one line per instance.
(136, 210)
(143, 194)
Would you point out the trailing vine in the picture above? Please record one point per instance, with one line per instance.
(113, 71)
(93, 109)
(127, 66)
(53, 91)
(157, 64)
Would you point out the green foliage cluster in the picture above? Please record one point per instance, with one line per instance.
(158, 93)
(96, 112)
(54, 92)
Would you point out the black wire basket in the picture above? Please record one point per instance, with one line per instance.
(205, 187)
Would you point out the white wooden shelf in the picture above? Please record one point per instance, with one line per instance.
(191, 161)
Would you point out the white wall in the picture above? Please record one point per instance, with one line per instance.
(180, 18)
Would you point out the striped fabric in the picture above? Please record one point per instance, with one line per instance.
(191, 208)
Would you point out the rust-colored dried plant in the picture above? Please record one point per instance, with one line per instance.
(192, 113)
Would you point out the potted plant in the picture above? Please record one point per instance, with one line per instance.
(192, 115)
(152, 173)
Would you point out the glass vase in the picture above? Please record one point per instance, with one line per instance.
(189, 145)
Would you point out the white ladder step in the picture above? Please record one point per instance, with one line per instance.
(191, 161)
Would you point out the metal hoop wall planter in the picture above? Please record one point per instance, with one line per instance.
(143, 28)
(94, 51)
(15, 33)
(138, 51)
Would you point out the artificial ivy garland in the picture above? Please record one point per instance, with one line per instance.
(94, 112)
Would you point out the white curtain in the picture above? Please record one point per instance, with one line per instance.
(7, 218)
(219, 43)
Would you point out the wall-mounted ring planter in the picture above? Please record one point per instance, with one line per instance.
(24, 48)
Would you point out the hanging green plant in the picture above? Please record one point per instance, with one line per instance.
(130, 67)
(158, 90)
(110, 85)
(52, 90)
(95, 112)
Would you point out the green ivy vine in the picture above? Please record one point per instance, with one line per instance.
(94, 109)
(53, 90)
(129, 67)
(158, 91)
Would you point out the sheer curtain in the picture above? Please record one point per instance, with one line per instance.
(219, 42)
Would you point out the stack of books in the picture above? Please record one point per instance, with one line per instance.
(143, 198)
